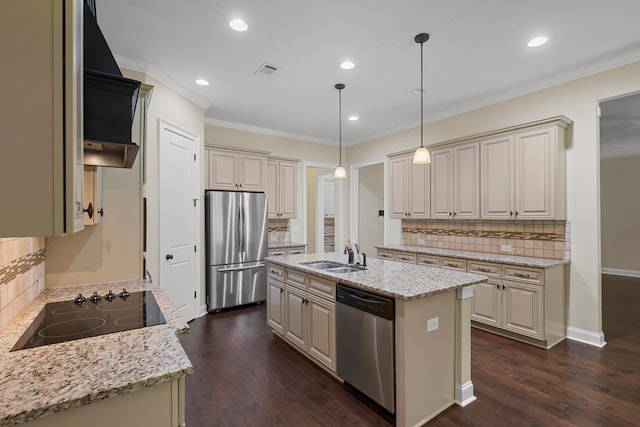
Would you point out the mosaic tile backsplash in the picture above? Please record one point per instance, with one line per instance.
(21, 274)
(541, 239)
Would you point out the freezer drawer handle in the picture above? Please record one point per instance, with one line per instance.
(251, 267)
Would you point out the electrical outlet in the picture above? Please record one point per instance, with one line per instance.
(421, 241)
(505, 248)
(433, 324)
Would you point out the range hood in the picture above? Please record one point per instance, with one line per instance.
(109, 101)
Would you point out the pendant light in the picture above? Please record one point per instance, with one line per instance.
(340, 172)
(422, 155)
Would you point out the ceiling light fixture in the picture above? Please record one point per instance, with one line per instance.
(537, 41)
(422, 155)
(353, 118)
(340, 172)
(347, 65)
(202, 82)
(238, 25)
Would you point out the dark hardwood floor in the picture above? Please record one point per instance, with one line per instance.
(244, 376)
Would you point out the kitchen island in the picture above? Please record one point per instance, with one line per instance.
(432, 324)
(134, 377)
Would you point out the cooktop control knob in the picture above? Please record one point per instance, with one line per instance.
(125, 293)
(110, 296)
(80, 299)
(95, 297)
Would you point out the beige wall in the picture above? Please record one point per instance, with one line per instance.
(370, 200)
(620, 204)
(577, 100)
(21, 274)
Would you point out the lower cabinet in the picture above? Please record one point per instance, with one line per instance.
(275, 305)
(291, 250)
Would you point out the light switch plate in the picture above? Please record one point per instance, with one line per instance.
(433, 324)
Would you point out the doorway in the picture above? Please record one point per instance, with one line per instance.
(323, 206)
(368, 222)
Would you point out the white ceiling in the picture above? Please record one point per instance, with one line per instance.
(477, 55)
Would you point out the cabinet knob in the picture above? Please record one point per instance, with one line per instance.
(450, 214)
(510, 213)
(169, 257)
(89, 210)
(101, 212)
(239, 185)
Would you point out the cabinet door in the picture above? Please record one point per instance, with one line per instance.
(522, 309)
(287, 186)
(252, 171)
(296, 316)
(221, 170)
(322, 341)
(93, 194)
(420, 191)
(486, 303)
(497, 179)
(275, 305)
(466, 181)
(536, 174)
(272, 190)
(441, 183)
(398, 188)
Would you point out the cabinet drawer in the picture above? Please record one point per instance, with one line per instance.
(322, 288)
(428, 260)
(488, 269)
(277, 252)
(405, 257)
(386, 254)
(275, 271)
(454, 264)
(295, 251)
(523, 274)
(296, 279)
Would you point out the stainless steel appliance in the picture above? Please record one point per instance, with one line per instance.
(365, 343)
(236, 245)
(91, 316)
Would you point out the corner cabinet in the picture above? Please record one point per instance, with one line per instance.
(41, 132)
(455, 177)
(281, 188)
(235, 170)
(524, 173)
(409, 188)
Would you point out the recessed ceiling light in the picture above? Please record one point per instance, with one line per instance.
(202, 82)
(347, 65)
(238, 25)
(353, 118)
(537, 41)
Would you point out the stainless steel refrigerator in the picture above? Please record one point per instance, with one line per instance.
(236, 245)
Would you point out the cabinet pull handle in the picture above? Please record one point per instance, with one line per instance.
(484, 270)
(503, 287)
(510, 213)
(524, 276)
(449, 213)
(426, 261)
(498, 286)
(516, 213)
(169, 257)
(281, 290)
(276, 272)
(451, 265)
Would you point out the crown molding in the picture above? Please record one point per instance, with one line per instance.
(267, 131)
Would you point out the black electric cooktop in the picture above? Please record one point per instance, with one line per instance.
(90, 317)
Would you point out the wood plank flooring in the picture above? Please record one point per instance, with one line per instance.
(244, 376)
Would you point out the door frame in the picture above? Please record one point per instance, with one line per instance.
(195, 177)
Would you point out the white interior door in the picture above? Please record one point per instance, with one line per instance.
(179, 218)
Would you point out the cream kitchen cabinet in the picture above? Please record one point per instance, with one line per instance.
(93, 210)
(523, 173)
(409, 188)
(41, 132)
(289, 250)
(455, 177)
(235, 170)
(281, 188)
(275, 304)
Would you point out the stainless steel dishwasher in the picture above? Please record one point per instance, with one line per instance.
(365, 343)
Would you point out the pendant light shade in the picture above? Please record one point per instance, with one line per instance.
(340, 172)
(422, 155)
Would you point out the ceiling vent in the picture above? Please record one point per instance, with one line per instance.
(266, 70)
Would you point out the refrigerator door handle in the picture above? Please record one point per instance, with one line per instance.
(248, 267)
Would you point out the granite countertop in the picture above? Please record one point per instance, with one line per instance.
(479, 256)
(277, 245)
(390, 278)
(44, 380)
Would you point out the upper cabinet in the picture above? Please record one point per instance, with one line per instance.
(93, 210)
(41, 133)
(281, 188)
(455, 178)
(523, 174)
(409, 188)
(235, 170)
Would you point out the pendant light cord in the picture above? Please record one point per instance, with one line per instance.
(421, 95)
(340, 121)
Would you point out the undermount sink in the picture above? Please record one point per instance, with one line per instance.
(323, 265)
(343, 269)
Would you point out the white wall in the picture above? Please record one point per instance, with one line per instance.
(577, 100)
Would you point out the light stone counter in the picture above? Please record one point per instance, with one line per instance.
(53, 378)
(390, 278)
(478, 256)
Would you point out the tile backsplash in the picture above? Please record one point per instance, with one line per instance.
(540, 239)
(278, 230)
(21, 274)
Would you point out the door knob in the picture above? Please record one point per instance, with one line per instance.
(169, 256)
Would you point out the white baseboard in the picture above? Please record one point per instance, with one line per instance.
(464, 394)
(595, 339)
(203, 310)
(620, 272)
